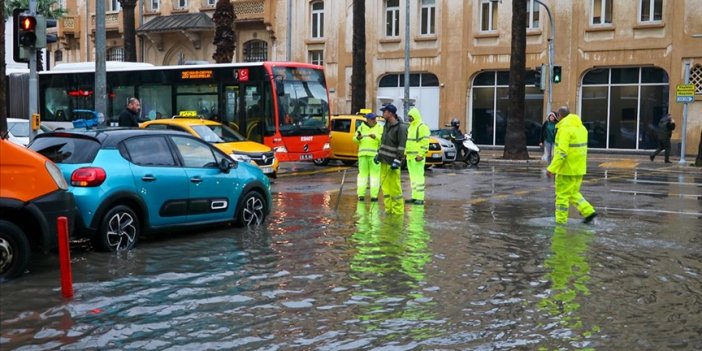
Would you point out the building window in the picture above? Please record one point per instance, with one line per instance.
(428, 17)
(181, 4)
(211, 2)
(318, 19)
(602, 11)
(621, 107)
(696, 78)
(533, 14)
(114, 5)
(155, 5)
(392, 18)
(316, 57)
(58, 55)
(488, 15)
(651, 10)
(255, 50)
(490, 99)
(115, 54)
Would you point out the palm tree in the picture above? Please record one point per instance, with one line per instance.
(224, 17)
(46, 8)
(515, 138)
(129, 30)
(358, 74)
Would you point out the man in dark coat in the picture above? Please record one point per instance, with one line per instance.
(665, 132)
(130, 116)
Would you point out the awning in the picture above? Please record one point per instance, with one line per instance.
(189, 24)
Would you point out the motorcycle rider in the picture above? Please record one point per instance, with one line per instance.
(392, 150)
(368, 136)
(417, 147)
(457, 137)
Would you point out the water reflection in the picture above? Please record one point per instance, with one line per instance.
(389, 267)
(569, 276)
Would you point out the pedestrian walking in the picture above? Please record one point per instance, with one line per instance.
(570, 166)
(665, 131)
(130, 116)
(417, 147)
(390, 154)
(548, 136)
(368, 136)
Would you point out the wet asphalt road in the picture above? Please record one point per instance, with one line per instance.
(480, 267)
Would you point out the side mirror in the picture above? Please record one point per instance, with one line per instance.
(225, 165)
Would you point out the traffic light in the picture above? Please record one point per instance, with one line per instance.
(19, 54)
(43, 37)
(556, 74)
(27, 28)
(540, 77)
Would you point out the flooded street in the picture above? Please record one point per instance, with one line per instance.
(481, 266)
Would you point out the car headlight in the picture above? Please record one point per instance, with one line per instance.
(326, 146)
(241, 158)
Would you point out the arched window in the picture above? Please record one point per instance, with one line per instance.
(115, 54)
(255, 50)
(621, 107)
(58, 55)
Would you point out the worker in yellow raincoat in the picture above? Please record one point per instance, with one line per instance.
(390, 155)
(569, 164)
(417, 147)
(368, 137)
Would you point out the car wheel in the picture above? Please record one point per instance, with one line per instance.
(321, 161)
(473, 158)
(348, 162)
(14, 250)
(119, 230)
(252, 210)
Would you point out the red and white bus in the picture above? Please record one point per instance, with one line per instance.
(284, 105)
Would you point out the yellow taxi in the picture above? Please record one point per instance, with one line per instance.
(343, 129)
(223, 138)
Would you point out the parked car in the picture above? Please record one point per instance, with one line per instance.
(224, 138)
(447, 146)
(32, 197)
(343, 147)
(18, 129)
(130, 181)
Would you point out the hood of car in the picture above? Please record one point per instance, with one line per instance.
(242, 147)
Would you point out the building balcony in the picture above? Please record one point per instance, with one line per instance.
(113, 22)
(252, 10)
(69, 25)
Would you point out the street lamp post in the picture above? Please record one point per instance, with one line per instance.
(551, 40)
(684, 118)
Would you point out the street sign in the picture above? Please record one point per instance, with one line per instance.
(685, 93)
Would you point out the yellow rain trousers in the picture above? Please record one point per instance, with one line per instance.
(392, 189)
(569, 164)
(367, 169)
(417, 145)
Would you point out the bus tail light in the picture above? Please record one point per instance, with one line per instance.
(88, 176)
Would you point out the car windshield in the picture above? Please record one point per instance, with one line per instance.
(66, 149)
(217, 133)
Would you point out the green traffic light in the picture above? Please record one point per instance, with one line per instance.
(556, 74)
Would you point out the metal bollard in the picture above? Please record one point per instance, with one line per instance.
(64, 258)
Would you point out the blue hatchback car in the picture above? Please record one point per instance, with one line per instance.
(130, 181)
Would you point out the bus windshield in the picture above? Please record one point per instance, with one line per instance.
(302, 103)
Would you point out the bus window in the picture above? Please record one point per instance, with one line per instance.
(119, 96)
(155, 101)
(57, 104)
(199, 98)
(303, 109)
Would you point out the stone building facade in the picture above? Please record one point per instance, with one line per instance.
(621, 60)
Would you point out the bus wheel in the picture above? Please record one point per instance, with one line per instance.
(14, 251)
(321, 161)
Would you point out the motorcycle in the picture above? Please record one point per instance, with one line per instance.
(470, 152)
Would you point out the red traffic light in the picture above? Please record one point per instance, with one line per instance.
(27, 23)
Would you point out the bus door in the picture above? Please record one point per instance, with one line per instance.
(231, 108)
(254, 108)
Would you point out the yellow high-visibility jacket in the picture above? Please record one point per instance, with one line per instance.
(570, 149)
(368, 146)
(417, 135)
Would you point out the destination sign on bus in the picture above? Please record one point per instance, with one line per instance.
(199, 74)
(298, 73)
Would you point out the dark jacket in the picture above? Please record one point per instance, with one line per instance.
(548, 132)
(128, 118)
(392, 145)
(665, 128)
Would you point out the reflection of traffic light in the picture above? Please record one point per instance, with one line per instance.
(540, 77)
(556, 74)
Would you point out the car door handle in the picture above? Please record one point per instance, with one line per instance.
(148, 178)
(196, 180)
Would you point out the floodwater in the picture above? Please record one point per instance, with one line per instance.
(480, 267)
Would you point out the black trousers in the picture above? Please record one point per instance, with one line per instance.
(663, 144)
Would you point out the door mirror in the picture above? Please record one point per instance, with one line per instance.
(225, 165)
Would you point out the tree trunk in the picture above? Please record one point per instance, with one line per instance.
(698, 160)
(358, 75)
(515, 138)
(129, 30)
(224, 39)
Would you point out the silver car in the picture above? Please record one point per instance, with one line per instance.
(448, 149)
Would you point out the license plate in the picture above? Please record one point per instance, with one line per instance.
(267, 169)
(306, 156)
(435, 156)
(449, 154)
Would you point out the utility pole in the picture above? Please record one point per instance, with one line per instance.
(100, 74)
(33, 79)
(407, 57)
(684, 118)
(551, 41)
(288, 40)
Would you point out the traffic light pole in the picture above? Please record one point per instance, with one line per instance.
(551, 41)
(33, 81)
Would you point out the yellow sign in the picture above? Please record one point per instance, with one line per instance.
(36, 121)
(187, 114)
(685, 90)
(200, 74)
